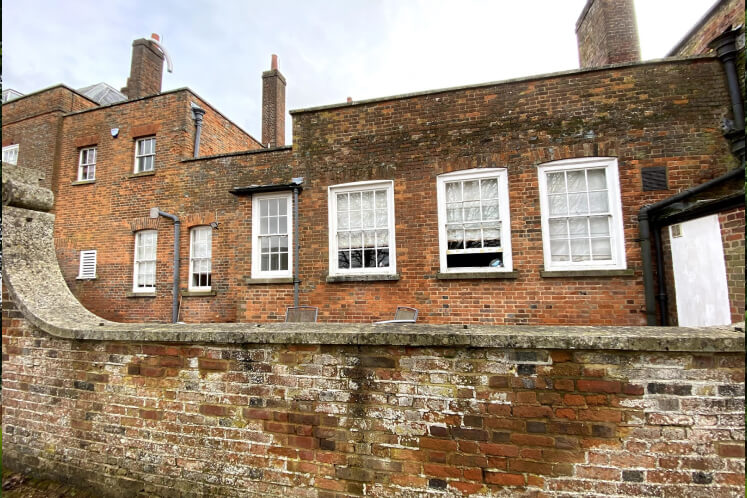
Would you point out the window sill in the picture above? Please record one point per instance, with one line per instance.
(140, 294)
(142, 173)
(337, 279)
(201, 293)
(587, 273)
(261, 281)
(83, 182)
(87, 278)
(478, 275)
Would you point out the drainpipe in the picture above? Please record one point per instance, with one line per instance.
(197, 114)
(155, 213)
(725, 46)
(662, 296)
(296, 243)
(646, 220)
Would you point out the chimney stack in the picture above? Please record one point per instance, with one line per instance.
(273, 106)
(146, 70)
(607, 33)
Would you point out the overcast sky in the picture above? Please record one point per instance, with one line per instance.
(327, 49)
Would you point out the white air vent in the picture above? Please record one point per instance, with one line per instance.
(87, 265)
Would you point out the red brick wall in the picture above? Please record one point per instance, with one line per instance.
(219, 135)
(101, 215)
(649, 115)
(321, 420)
(732, 235)
(34, 121)
(726, 14)
(607, 33)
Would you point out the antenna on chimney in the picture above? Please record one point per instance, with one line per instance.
(156, 40)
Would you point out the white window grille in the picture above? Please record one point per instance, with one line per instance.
(87, 268)
(87, 164)
(200, 258)
(361, 235)
(145, 154)
(144, 278)
(272, 237)
(581, 215)
(473, 221)
(10, 154)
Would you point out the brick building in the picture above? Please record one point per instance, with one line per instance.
(541, 200)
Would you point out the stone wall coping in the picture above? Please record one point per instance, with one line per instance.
(35, 282)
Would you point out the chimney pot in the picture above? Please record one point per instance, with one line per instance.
(274, 65)
(155, 37)
(350, 99)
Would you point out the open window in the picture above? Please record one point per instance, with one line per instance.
(474, 228)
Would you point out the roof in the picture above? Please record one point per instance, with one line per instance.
(103, 93)
(11, 94)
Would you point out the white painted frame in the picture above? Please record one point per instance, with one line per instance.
(10, 154)
(87, 267)
(138, 242)
(332, 192)
(256, 244)
(501, 175)
(192, 234)
(91, 164)
(141, 160)
(617, 235)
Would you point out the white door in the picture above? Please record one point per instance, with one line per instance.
(700, 273)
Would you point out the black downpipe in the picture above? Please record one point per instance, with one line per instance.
(647, 222)
(662, 297)
(648, 271)
(155, 213)
(296, 242)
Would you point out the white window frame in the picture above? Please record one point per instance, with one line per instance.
(332, 192)
(138, 241)
(87, 267)
(88, 152)
(8, 151)
(257, 271)
(141, 158)
(501, 174)
(617, 236)
(192, 258)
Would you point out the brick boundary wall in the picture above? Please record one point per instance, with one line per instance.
(352, 409)
(187, 419)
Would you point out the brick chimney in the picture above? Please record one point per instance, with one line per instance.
(273, 106)
(146, 70)
(607, 33)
